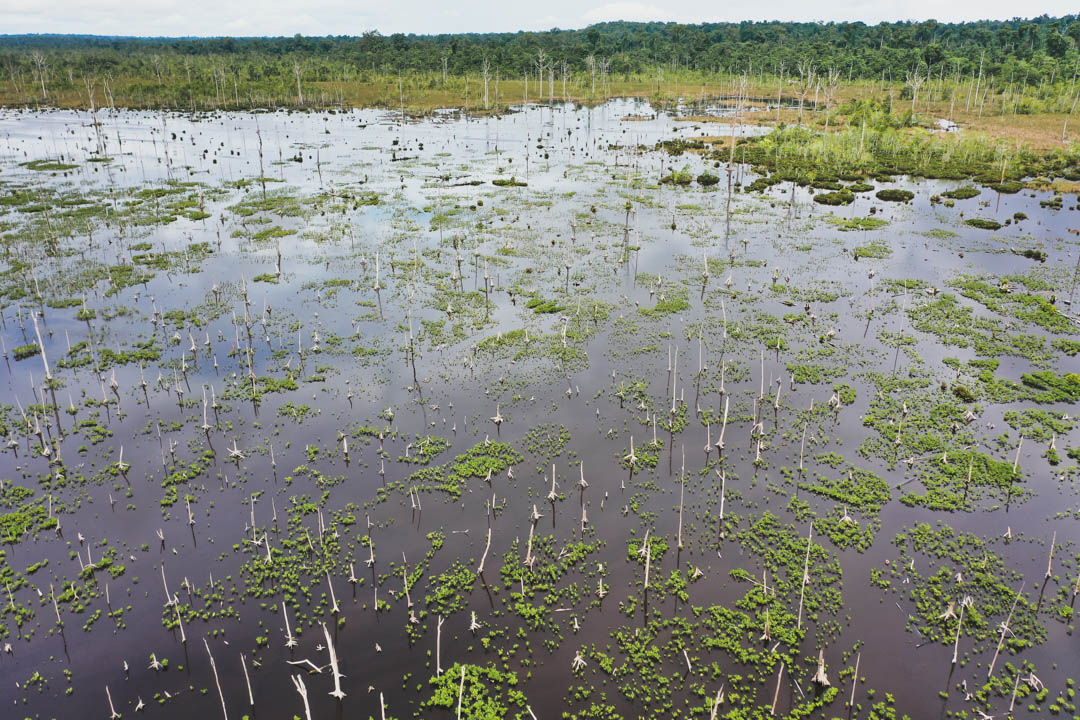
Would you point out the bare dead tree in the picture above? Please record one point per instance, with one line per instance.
(779, 89)
(107, 84)
(14, 77)
(90, 87)
(605, 65)
(915, 81)
(299, 90)
(978, 83)
(807, 75)
(41, 65)
(832, 81)
(541, 63)
(486, 69)
(735, 128)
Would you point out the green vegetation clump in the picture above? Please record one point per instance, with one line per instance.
(1039, 425)
(675, 301)
(764, 183)
(894, 195)
(546, 441)
(296, 413)
(1052, 388)
(480, 461)
(677, 146)
(1031, 254)
(21, 352)
(424, 449)
(706, 179)
(508, 182)
(30, 517)
(861, 223)
(963, 193)
(855, 488)
(876, 251)
(839, 197)
(962, 565)
(48, 165)
(1067, 346)
(540, 306)
(845, 392)
(678, 177)
(982, 224)
(963, 393)
(1031, 308)
(486, 692)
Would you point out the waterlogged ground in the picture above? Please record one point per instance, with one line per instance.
(306, 375)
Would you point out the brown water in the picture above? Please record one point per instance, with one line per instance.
(576, 162)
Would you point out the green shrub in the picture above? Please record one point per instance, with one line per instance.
(982, 224)
(24, 351)
(894, 195)
(962, 193)
(678, 177)
(963, 393)
(840, 197)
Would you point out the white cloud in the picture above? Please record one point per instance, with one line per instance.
(632, 11)
(353, 17)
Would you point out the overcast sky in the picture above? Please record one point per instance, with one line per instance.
(353, 17)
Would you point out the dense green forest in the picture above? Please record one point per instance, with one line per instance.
(1021, 46)
(1024, 53)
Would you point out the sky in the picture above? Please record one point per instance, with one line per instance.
(354, 17)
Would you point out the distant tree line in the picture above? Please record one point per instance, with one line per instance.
(862, 50)
(1019, 53)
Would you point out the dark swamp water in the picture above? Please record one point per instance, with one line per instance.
(380, 293)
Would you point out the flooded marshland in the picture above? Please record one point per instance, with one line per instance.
(556, 413)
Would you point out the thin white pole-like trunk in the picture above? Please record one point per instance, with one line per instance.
(806, 572)
(247, 679)
(44, 359)
(648, 557)
(716, 703)
(1050, 560)
(723, 492)
(480, 570)
(776, 694)
(460, 690)
(959, 625)
(113, 715)
(854, 679)
(682, 489)
(438, 647)
(217, 681)
(487, 76)
(337, 691)
(1004, 629)
(298, 683)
